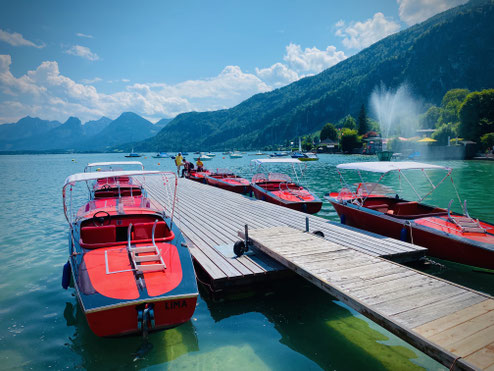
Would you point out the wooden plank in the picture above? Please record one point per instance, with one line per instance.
(473, 343)
(456, 318)
(483, 358)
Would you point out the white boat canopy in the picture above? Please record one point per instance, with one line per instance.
(385, 167)
(260, 161)
(83, 177)
(115, 163)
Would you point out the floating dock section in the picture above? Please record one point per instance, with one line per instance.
(210, 218)
(453, 324)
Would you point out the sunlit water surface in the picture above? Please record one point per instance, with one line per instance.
(290, 326)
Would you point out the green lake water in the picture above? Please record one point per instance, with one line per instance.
(291, 325)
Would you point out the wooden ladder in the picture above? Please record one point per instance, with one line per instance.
(150, 255)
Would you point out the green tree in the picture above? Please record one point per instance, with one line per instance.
(328, 132)
(444, 131)
(349, 140)
(348, 122)
(487, 141)
(429, 119)
(477, 115)
(450, 106)
(363, 124)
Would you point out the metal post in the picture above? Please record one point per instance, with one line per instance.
(246, 248)
(307, 224)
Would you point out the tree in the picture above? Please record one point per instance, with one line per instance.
(348, 122)
(349, 140)
(363, 125)
(487, 141)
(444, 131)
(328, 132)
(477, 115)
(429, 119)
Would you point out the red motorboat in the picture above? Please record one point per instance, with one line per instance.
(198, 176)
(448, 235)
(127, 259)
(225, 179)
(115, 186)
(281, 190)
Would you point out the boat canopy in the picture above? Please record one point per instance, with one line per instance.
(385, 167)
(83, 177)
(115, 163)
(260, 161)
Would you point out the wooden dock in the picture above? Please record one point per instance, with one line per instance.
(453, 324)
(210, 219)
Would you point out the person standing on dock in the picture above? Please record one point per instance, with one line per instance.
(178, 162)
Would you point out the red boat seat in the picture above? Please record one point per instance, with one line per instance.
(381, 207)
(144, 231)
(408, 208)
(92, 236)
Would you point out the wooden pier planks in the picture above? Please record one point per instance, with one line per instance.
(210, 217)
(451, 323)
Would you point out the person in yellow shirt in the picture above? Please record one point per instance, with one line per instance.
(199, 165)
(179, 162)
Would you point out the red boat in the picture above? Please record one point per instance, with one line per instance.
(225, 179)
(279, 188)
(448, 235)
(198, 176)
(127, 259)
(115, 186)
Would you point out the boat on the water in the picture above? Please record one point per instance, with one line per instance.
(448, 235)
(308, 157)
(236, 154)
(161, 155)
(114, 186)
(280, 189)
(127, 260)
(133, 154)
(198, 176)
(226, 179)
(203, 158)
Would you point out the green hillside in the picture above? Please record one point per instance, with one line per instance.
(451, 50)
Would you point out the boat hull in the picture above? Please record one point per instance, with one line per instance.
(309, 207)
(443, 245)
(241, 185)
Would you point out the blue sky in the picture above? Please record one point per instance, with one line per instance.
(160, 58)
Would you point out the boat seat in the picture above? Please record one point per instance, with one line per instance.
(92, 236)
(380, 207)
(407, 208)
(144, 231)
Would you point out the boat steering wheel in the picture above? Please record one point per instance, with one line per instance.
(101, 220)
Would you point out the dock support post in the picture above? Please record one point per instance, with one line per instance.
(246, 237)
(307, 224)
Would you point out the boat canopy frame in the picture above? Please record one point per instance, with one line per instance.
(88, 167)
(259, 162)
(169, 179)
(386, 167)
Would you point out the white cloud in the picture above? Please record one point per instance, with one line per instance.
(277, 75)
(79, 34)
(415, 11)
(91, 81)
(16, 39)
(359, 35)
(83, 52)
(46, 93)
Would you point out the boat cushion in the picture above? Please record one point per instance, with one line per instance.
(144, 231)
(92, 235)
(381, 207)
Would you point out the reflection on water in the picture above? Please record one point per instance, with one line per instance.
(292, 326)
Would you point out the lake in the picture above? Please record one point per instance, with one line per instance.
(291, 325)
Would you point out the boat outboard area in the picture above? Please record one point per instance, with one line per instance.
(376, 207)
(280, 188)
(128, 261)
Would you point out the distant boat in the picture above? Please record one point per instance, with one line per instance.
(203, 158)
(258, 153)
(226, 153)
(210, 154)
(185, 153)
(133, 154)
(308, 157)
(279, 154)
(297, 154)
(162, 155)
(226, 179)
(236, 155)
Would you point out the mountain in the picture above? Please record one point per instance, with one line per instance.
(65, 136)
(162, 123)
(128, 127)
(22, 129)
(94, 127)
(453, 49)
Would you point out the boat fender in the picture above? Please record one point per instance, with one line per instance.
(404, 234)
(343, 219)
(67, 270)
(239, 248)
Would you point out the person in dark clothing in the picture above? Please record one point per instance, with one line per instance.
(188, 166)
